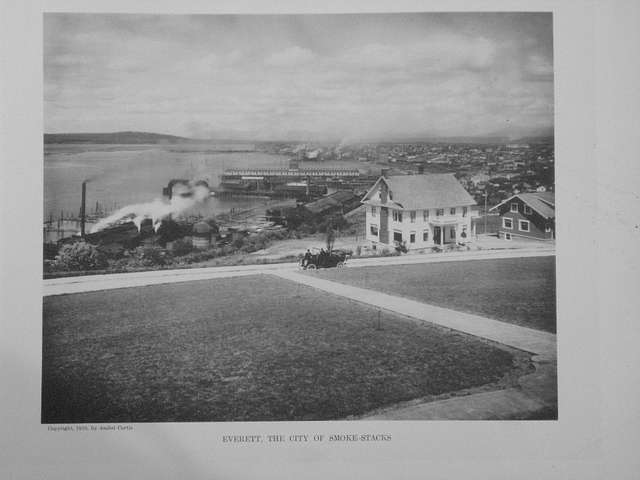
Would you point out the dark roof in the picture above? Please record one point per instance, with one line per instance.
(334, 200)
(541, 202)
(202, 227)
(425, 191)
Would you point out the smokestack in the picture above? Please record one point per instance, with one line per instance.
(83, 208)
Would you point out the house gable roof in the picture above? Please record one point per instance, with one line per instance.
(415, 192)
(541, 202)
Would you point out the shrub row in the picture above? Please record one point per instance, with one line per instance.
(82, 256)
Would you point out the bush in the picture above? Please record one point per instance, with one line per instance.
(80, 256)
(147, 256)
(50, 266)
(181, 247)
(201, 255)
(226, 250)
(238, 242)
(112, 251)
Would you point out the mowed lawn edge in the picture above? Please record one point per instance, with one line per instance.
(521, 291)
(253, 348)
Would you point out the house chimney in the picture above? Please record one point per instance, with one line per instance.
(83, 208)
(384, 172)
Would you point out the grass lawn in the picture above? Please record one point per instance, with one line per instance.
(515, 290)
(247, 349)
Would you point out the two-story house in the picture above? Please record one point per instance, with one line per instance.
(528, 216)
(419, 211)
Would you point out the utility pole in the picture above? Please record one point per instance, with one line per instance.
(485, 210)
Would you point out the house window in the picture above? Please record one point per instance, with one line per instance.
(412, 237)
(452, 233)
(453, 211)
(390, 195)
(374, 230)
(514, 207)
(507, 223)
(547, 229)
(397, 237)
(507, 236)
(425, 215)
(439, 212)
(524, 225)
(373, 211)
(397, 216)
(527, 210)
(412, 216)
(425, 236)
(464, 211)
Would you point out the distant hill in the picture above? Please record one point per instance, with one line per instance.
(489, 140)
(116, 137)
(513, 134)
(157, 138)
(540, 139)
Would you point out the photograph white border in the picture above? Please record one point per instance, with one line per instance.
(578, 445)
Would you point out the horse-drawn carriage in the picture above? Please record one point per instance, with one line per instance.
(319, 258)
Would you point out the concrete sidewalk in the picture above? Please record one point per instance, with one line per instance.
(533, 392)
(523, 338)
(91, 283)
(496, 405)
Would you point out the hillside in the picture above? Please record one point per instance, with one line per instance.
(116, 137)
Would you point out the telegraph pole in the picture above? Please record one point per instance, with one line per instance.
(485, 210)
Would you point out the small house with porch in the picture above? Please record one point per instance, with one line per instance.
(529, 216)
(418, 211)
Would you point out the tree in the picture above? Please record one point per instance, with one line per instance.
(80, 256)
(331, 236)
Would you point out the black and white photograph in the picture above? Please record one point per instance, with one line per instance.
(308, 240)
(298, 217)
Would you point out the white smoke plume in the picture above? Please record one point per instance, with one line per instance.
(184, 198)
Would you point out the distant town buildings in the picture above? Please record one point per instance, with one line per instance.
(498, 170)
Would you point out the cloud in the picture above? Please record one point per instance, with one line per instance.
(271, 79)
(290, 57)
(538, 66)
(69, 60)
(436, 54)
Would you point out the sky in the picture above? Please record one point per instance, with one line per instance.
(300, 77)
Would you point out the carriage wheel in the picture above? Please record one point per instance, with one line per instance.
(311, 266)
(340, 264)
